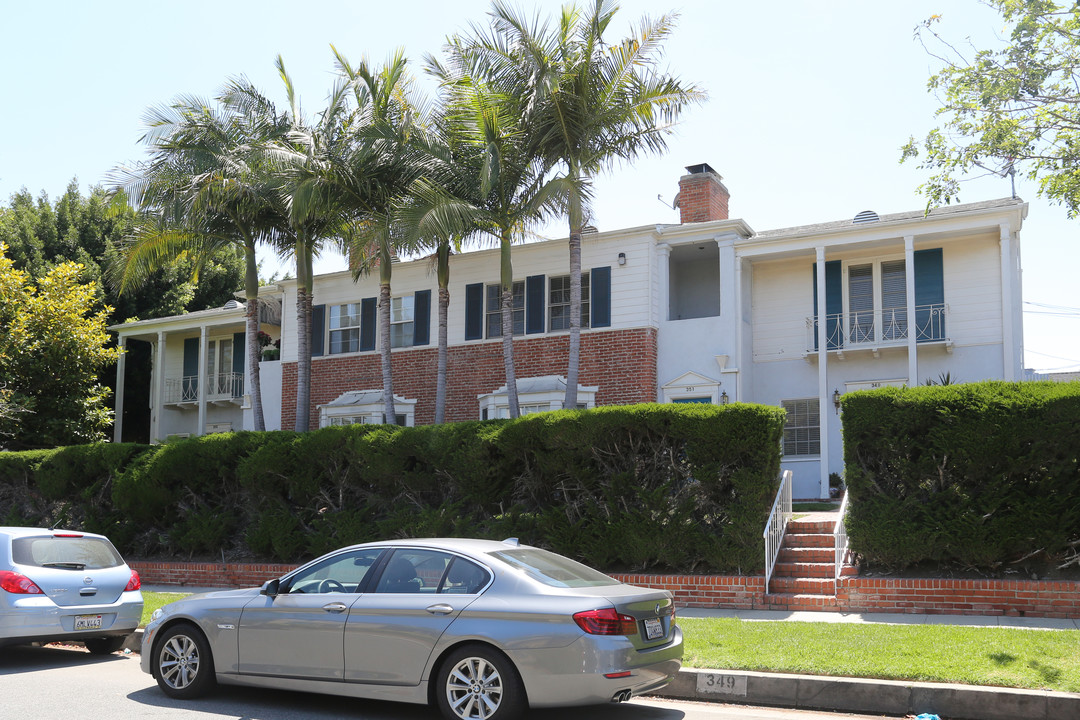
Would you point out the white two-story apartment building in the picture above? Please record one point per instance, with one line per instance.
(707, 310)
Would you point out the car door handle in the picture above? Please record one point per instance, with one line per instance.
(335, 607)
(440, 609)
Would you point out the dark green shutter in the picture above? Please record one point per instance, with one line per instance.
(368, 308)
(929, 295)
(834, 302)
(421, 317)
(474, 311)
(238, 363)
(535, 286)
(190, 381)
(600, 297)
(318, 330)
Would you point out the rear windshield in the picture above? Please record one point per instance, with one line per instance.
(70, 553)
(554, 570)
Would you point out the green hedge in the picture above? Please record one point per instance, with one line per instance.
(975, 475)
(657, 487)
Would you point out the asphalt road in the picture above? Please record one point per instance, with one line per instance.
(45, 683)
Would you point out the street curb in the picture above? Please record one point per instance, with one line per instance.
(133, 642)
(893, 697)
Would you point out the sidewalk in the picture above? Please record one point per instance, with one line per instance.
(885, 618)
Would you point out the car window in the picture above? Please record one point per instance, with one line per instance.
(464, 578)
(414, 571)
(342, 573)
(65, 552)
(554, 570)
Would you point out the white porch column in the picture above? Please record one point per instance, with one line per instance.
(118, 406)
(663, 273)
(157, 395)
(204, 344)
(823, 374)
(737, 315)
(909, 301)
(1007, 329)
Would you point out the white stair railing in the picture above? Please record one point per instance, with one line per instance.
(840, 541)
(777, 524)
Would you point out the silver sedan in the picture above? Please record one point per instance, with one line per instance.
(482, 629)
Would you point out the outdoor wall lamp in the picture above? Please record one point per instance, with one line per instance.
(836, 400)
(622, 258)
(723, 398)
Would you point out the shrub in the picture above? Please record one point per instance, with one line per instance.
(974, 475)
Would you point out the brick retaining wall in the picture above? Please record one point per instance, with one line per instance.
(1024, 598)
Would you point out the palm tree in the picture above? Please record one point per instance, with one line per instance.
(590, 104)
(495, 188)
(204, 189)
(384, 154)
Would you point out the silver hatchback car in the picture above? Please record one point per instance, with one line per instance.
(480, 628)
(66, 585)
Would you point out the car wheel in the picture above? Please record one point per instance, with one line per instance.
(104, 646)
(182, 662)
(477, 682)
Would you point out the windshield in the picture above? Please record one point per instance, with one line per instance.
(68, 553)
(554, 570)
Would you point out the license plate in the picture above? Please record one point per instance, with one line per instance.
(87, 622)
(654, 629)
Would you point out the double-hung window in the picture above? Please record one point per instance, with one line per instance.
(802, 430)
(344, 328)
(559, 302)
(401, 321)
(493, 316)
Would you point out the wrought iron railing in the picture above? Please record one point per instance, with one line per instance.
(840, 541)
(777, 524)
(878, 328)
(226, 386)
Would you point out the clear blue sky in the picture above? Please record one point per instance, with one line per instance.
(809, 104)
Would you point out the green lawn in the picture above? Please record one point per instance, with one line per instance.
(153, 600)
(1012, 657)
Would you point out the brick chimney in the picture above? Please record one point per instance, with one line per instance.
(702, 197)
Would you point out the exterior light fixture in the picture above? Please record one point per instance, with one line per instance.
(622, 258)
(836, 400)
(724, 398)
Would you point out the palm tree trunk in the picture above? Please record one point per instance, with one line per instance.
(389, 412)
(443, 272)
(303, 336)
(573, 363)
(507, 306)
(251, 335)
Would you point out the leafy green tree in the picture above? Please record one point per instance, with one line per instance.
(1011, 109)
(52, 348)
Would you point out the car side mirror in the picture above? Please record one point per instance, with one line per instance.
(270, 587)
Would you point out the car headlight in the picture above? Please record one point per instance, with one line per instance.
(157, 614)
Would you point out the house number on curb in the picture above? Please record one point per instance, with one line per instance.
(713, 684)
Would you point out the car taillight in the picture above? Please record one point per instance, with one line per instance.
(68, 535)
(606, 621)
(134, 582)
(18, 584)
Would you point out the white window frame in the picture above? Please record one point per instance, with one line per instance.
(808, 427)
(552, 305)
(492, 296)
(879, 320)
(497, 404)
(402, 321)
(350, 331)
(367, 412)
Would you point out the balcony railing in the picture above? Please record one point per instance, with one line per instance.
(878, 328)
(226, 386)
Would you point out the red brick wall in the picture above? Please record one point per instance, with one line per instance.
(622, 363)
(1029, 598)
(702, 197)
